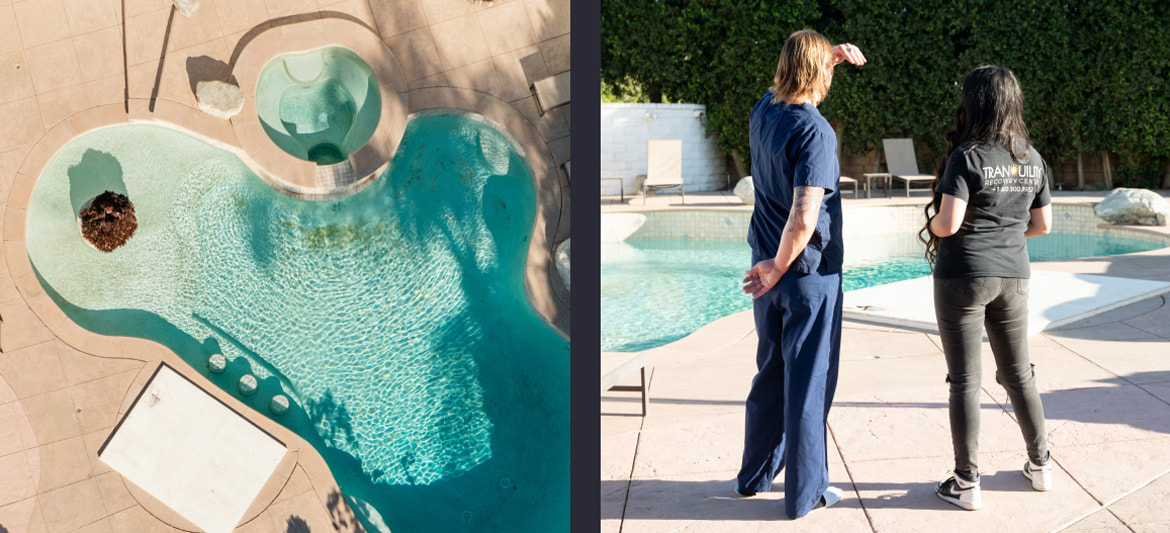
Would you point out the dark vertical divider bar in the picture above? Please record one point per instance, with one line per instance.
(585, 261)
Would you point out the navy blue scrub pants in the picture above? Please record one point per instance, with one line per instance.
(798, 323)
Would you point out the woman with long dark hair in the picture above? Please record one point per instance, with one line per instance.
(990, 193)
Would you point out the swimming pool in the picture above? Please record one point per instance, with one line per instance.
(395, 319)
(656, 291)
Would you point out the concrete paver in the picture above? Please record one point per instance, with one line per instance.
(1104, 381)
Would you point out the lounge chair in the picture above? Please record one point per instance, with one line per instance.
(901, 163)
(664, 167)
(551, 92)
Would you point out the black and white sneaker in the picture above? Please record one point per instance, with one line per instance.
(960, 492)
(1040, 476)
(741, 493)
(830, 498)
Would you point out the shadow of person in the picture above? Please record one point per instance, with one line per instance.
(96, 173)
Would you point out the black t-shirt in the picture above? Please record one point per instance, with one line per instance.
(792, 145)
(999, 192)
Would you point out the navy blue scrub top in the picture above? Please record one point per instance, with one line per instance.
(792, 145)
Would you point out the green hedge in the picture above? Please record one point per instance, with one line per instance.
(1094, 74)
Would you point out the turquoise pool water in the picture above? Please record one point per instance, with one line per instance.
(395, 319)
(654, 292)
(320, 105)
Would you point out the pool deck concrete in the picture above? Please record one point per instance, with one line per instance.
(69, 66)
(1105, 383)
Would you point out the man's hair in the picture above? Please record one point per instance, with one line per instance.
(801, 70)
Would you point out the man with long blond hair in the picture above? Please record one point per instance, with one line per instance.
(795, 235)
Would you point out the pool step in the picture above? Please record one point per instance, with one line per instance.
(335, 175)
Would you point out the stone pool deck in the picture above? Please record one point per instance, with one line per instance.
(68, 66)
(1105, 383)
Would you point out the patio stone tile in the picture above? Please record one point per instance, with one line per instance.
(438, 80)
(440, 11)
(284, 8)
(144, 36)
(200, 27)
(60, 104)
(915, 424)
(138, 7)
(51, 416)
(108, 90)
(513, 82)
(21, 328)
(90, 15)
(1132, 464)
(1101, 521)
(41, 21)
(101, 526)
(93, 443)
(22, 123)
(459, 41)
(81, 367)
(1107, 413)
(15, 82)
(53, 65)
(703, 502)
(137, 519)
(17, 515)
(6, 392)
(481, 76)
(115, 496)
(398, 16)
(20, 476)
(613, 502)
(1159, 390)
(33, 370)
(891, 488)
(99, 53)
(859, 344)
(9, 31)
(305, 509)
(240, 15)
(73, 506)
(98, 401)
(298, 483)
(506, 27)
(63, 463)
(556, 52)
(17, 435)
(690, 445)
(550, 18)
(1146, 507)
(620, 434)
(1153, 322)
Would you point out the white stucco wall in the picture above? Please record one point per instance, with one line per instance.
(625, 128)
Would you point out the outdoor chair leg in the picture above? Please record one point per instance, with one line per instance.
(645, 393)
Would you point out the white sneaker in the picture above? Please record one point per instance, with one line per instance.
(1041, 476)
(960, 492)
(831, 496)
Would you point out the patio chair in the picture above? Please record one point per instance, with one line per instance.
(901, 163)
(616, 366)
(551, 92)
(664, 167)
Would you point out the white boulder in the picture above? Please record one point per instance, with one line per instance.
(186, 7)
(562, 258)
(746, 191)
(1134, 206)
(219, 99)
